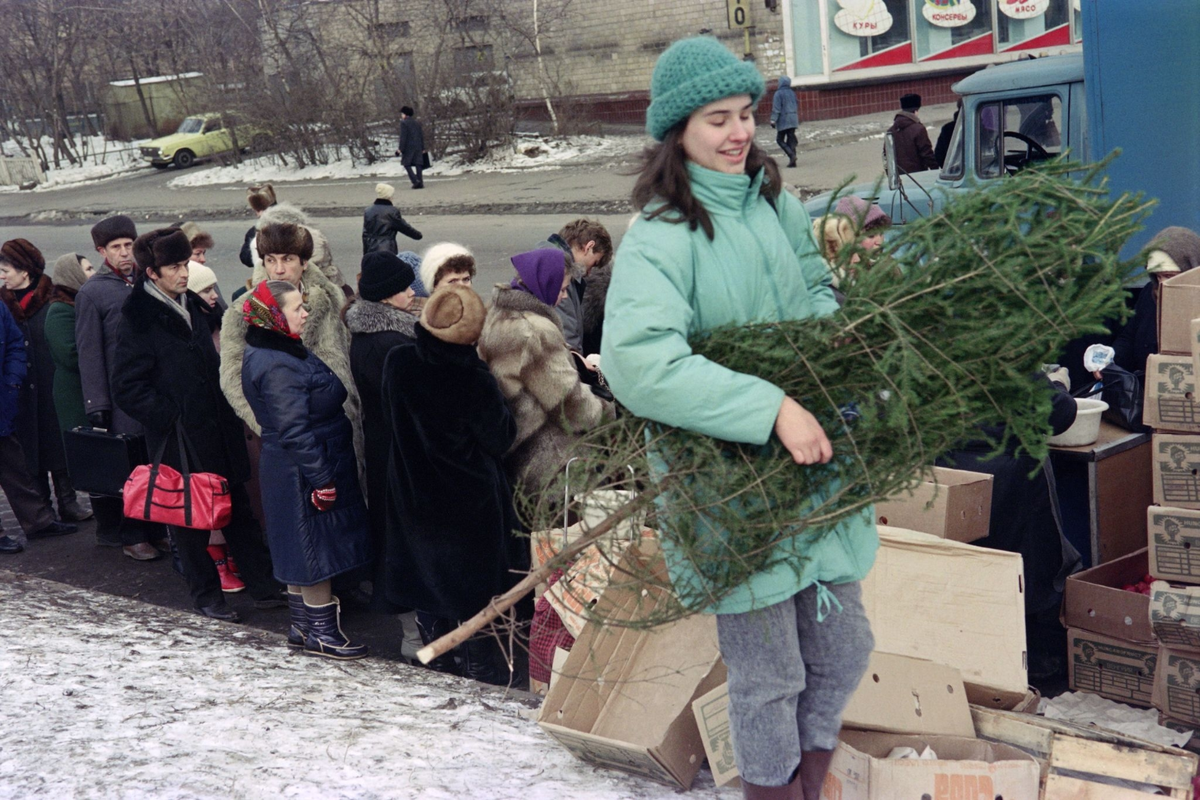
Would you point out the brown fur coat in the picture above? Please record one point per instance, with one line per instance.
(523, 345)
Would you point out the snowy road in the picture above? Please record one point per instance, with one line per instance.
(105, 697)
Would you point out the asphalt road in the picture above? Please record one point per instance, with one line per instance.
(492, 238)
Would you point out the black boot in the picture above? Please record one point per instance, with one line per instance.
(69, 509)
(325, 637)
(484, 661)
(10, 546)
(298, 630)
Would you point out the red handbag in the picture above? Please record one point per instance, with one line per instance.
(157, 492)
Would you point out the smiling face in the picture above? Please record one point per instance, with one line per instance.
(718, 136)
(284, 267)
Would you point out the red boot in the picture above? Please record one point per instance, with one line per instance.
(229, 562)
(229, 581)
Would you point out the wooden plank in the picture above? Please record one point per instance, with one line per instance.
(1121, 761)
(988, 717)
(1015, 729)
(1059, 787)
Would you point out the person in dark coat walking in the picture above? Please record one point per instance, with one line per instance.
(914, 151)
(452, 531)
(412, 147)
(379, 319)
(32, 511)
(97, 317)
(27, 291)
(316, 518)
(167, 377)
(382, 221)
(785, 118)
(942, 148)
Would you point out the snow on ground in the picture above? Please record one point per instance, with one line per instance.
(104, 160)
(526, 153)
(106, 697)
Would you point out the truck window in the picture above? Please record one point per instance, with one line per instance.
(953, 168)
(1016, 132)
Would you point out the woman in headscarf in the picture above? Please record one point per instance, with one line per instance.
(68, 274)
(523, 345)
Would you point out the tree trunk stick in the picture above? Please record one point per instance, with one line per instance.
(504, 602)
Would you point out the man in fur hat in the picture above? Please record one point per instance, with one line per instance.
(914, 151)
(97, 318)
(167, 375)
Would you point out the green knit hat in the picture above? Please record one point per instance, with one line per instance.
(692, 73)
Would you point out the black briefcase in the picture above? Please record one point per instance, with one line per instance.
(100, 461)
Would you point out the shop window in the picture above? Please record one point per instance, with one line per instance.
(852, 46)
(1017, 132)
(806, 37)
(941, 32)
(1077, 14)
(1043, 19)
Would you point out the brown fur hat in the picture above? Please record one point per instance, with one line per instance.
(22, 254)
(160, 248)
(284, 237)
(454, 314)
(261, 198)
(197, 235)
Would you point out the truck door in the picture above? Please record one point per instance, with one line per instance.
(1014, 132)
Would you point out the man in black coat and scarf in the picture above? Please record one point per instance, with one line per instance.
(166, 374)
(452, 531)
(411, 148)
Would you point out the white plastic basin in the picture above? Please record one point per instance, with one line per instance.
(1086, 428)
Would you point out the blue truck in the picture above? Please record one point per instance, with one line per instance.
(1135, 87)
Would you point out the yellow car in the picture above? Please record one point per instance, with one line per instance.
(199, 137)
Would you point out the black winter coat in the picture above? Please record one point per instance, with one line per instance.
(1138, 340)
(37, 421)
(412, 142)
(166, 371)
(246, 256)
(12, 370)
(381, 223)
(375, 329)
(98, 305)
(451, 543)
(307, 443)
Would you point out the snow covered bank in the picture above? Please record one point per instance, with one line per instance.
(104, 160)
(526, 153)
(107, 697)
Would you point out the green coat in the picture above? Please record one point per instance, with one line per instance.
(670, 283)
(68, 387)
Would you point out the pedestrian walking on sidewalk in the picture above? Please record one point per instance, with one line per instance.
(32, 511)
(785, 118)
(794, 637)
(316, 518)
(411, 148)
(167, 378)
(382, 221)
(27, 291)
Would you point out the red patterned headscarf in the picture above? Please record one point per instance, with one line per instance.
(262, 310)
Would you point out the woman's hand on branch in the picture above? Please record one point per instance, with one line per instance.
(801, 434)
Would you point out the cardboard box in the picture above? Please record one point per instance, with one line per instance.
(1173, 535)
(896, 695)
(1177, 686)
(575, 596)
(1175, 615)
(1170, 387)
(1176, 469)
(955, 604)
(950, 504)
(1093, 600)
(623, 698)
(1114, 668)
(1178, 305)
(970, 769)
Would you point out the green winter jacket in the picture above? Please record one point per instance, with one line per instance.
(670, 283)
(68, 386)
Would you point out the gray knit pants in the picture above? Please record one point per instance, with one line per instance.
(791, 676)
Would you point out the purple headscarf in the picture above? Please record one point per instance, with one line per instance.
(540, 273)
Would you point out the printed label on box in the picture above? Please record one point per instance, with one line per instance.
(1175, 615)
(1170, 393)
(1177, 470)
(1121, 671)
(1174, 538)
(1181, 696)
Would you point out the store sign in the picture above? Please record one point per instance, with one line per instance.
(863, 17)
(950, 13)
(1023, 9)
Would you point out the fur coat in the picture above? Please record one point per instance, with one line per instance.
(523, 345)
(322, 256)
(324, 334)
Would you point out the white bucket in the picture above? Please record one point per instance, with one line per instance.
(1086, 428)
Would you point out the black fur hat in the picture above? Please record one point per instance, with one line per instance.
(115, 227)
(161, 247)
(910, 102)
(286, 238)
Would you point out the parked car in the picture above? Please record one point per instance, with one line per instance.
(200, 137)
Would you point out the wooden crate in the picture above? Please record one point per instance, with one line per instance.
(1067, 752)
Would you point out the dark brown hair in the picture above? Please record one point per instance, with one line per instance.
(452, 265)
(582, 231)
(664, 179)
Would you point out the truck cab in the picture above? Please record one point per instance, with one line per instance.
(1012, 115)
